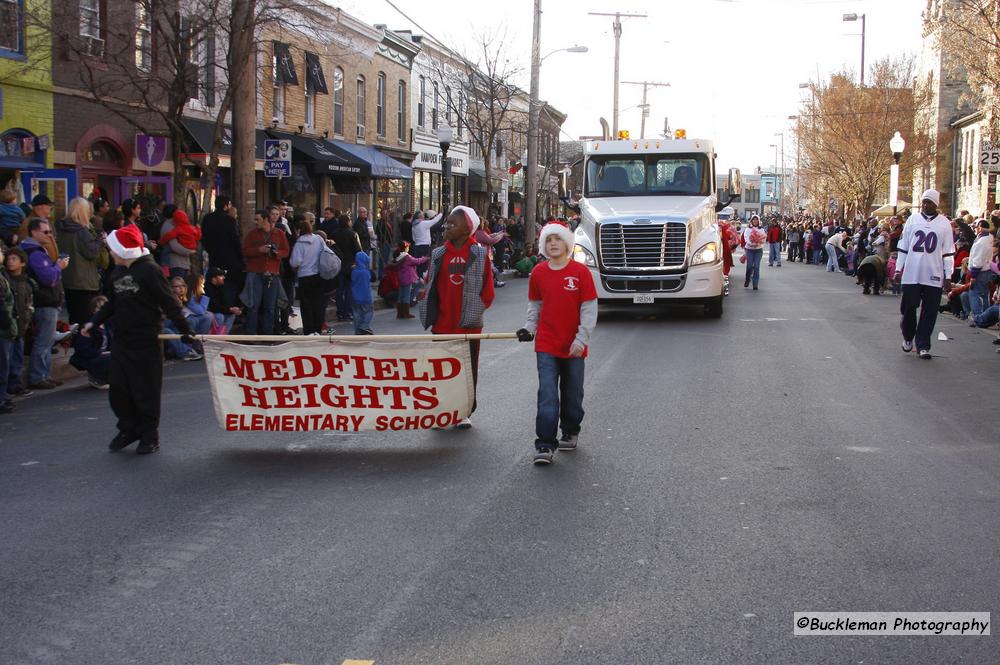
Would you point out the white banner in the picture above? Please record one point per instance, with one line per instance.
(340, 386)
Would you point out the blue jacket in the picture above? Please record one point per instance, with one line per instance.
(361, 277)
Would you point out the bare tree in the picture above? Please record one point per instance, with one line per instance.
(970, 36)
(843, 134)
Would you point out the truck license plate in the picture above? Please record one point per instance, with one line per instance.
(643, 299)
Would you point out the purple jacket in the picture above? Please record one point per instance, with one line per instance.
(408, 269)
(43, 270)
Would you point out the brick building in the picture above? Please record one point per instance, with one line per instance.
(26, 113)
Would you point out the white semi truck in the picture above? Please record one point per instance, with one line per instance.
(648, 227)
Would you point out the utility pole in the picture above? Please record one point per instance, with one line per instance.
(243, 81)
(646, 85)
(531, 170)
(617, 25)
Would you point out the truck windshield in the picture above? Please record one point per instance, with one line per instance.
(648, 175)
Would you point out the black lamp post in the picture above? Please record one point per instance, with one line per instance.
(445, 135)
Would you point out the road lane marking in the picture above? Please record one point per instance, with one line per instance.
(358, 662)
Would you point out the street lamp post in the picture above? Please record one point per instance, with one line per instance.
(445, 135)
(798, 157)
(781, 175)
(854, 17)
(896, 145)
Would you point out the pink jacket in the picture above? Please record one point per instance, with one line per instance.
(408, 268)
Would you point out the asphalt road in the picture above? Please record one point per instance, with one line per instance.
(786, 458)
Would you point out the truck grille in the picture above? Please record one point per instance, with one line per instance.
(643, 246)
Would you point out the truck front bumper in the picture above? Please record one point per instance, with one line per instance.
(700, 283)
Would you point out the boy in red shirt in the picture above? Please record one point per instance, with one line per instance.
(459, 287)
(562, 313)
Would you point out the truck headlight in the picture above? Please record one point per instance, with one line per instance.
(584, 256)
(708, 253)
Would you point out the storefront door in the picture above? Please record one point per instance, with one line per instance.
(58, 184)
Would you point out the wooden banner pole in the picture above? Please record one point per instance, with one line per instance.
(347, 338)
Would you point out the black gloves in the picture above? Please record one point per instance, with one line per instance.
(188, 339)
(524, 336)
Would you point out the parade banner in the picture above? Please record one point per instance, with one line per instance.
(340, 386)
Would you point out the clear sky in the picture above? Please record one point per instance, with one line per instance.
(734, 66)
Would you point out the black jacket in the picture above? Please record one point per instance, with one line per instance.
(218, 299)
(220, 236)
(346, 244)
(139, 297)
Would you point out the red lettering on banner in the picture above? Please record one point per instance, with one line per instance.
(287, 397)
(385, 368)
(232, 422)
(439, 368)
(356, 422)
(338, 402)
(311, 401)
(334, 365)
(396, 393)
(274, 370)
(240, 368)
(299, 370)
(359, 367)
(409, 370)
(255, 397)
(425, 398)
(365, 397)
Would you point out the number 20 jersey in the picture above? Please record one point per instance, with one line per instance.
(926, 250)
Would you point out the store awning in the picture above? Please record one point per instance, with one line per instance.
(323, 157)
(380, 164)
(477, 181)
(203, 133)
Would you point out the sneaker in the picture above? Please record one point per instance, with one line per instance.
(568, 441)
(7, 406)
(60, 336)
(192, 355)
(464, 424)
(94, 383)
(543, 456)
(907, 345)
(147, 447)
(925, 354)
(21, 392)
(120, 441)
(995, 342)
(44, 384)
(754, 287)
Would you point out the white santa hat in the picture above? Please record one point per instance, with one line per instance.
(560, 230)
(470, 215)
(127, 243)
(931, 195)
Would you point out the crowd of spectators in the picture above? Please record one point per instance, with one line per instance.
(867, 250)
(56, 274)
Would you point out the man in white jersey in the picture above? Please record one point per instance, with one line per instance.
(925, 261)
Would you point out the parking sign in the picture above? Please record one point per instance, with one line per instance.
(277, 158)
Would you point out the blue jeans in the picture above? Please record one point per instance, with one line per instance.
(225, 320)
(6, 346)
(260, 315)
(16, 365)
(989, 317)
(817, 256)
(979, 294)
(774, 255)
(40, 362)
(560, 398)
(405, 291)
(753, 265)
(831, 259)
(344, 299)
(174, 347)
(363, 313)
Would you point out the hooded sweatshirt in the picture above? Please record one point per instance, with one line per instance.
(46, 274)
(305, 254)
(361, 277)
(183, 232)
(83, 247)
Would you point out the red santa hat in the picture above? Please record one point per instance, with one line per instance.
(471, 216)
(559, 229)
(127, 243)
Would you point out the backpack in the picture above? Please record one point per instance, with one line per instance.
(329, 263)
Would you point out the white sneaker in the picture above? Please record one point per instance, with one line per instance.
(925, 354)
(907, 345)
(464, 424)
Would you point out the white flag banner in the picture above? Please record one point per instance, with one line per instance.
(339, 386)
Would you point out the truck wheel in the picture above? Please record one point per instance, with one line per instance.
(713, 308)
